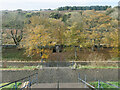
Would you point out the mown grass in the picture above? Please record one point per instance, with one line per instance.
(100, 67)
(14, 54)
(16, 68)
(9, 86)
(35, 67)
(104, 85)
(94, 67)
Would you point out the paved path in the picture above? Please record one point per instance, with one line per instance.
(61, 85)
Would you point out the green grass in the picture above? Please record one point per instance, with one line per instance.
(13, 54)
(95, 67)
(9, 86)
(104, 85)
(115, 83)
(116, 58)
(24, 67)
(102, 67)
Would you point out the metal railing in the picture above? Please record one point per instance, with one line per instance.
(99, 83)
(30, 81)
(84, 81)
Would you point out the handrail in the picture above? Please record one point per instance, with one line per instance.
(58, 85)
(85, 82)
(18, 80)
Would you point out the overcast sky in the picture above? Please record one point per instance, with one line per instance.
(45, 4)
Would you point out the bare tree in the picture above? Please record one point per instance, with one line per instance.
(17, 38)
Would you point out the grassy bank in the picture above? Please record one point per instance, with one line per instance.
(9, 87)
(97, 67)
(21, 68)
(37, 67)
(14, 54)
(104, 85)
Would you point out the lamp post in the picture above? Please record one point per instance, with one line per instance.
(96, 73)
(57, 50)
(41, 57)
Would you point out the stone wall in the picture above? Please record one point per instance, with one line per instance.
(13, 75)
(60, 64)
(66, 75)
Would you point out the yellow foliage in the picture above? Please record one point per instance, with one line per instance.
(43, 32)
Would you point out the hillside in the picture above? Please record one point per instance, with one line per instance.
(113, 12)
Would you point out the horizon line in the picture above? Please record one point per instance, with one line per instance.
(112, 6)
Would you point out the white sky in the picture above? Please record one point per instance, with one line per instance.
(45, 4)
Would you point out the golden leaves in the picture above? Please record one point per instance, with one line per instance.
(43, 32)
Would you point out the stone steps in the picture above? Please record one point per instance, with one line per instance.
(61, 85)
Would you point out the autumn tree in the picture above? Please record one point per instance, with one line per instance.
(37, 38)
(37, 41)
(75, 34)
(98, 24)
(57, 29)
(112, 37)
(41, 34)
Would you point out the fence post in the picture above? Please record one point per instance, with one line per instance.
(29, 82)
(101, 85)
(78, 77)
(37, 78)
(98, 84)
(85, 81)
(15, 85)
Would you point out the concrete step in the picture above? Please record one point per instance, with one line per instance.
(61, 85)
(44, 85)
(72, 85)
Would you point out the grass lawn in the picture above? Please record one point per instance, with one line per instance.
(17, 68)
(9, 86)
(13, 54)
(35, 67)
(104, 85)
(93, 67)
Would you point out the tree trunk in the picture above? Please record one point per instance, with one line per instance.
(75, 54)
(98, 47)
(17, 38)
(93, 47)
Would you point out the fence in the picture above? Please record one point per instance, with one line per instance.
(30, 80)
(99, 83)
(84, 81)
